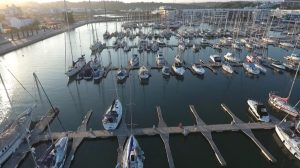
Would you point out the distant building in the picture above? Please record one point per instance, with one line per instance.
(167, 12)
(291, 4)
(18, 22)
(12, 11)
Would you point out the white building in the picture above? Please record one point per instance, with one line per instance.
(168, 12)
(18, 22)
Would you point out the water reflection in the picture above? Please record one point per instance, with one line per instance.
(179, 78)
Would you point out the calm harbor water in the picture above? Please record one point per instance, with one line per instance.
(74, 99)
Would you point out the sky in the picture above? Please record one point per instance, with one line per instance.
(165, 1)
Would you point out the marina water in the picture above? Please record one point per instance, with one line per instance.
(74, 99)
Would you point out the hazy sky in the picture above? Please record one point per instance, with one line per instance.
(166, 1)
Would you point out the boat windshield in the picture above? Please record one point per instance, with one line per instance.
(262, 111)
(178, 65)
(217, 59)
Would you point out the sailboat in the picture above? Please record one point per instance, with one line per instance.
(144, 73)
(121, 74)
(133, 156)
(160, 60)
(281, 103)
(231, 58)
(227, 67)
(134, 61)
(290, 139)
(113, 115)
(165, 70)
(178, 66)
(293, 57)
(251, 68)
(106, 35)
(98, 72)
(198, 69)
(258, 110)
(12, 136)
(55, 155)
(76, 66)
(80, 63)
(278, 65)
(16, 131)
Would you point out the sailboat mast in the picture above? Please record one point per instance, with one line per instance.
(105, 15)
(80, 43)
(68, 28)
(93, 34)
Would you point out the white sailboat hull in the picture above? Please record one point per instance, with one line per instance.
(250, 69)
(76, 68)
(260, 67)
(227, 68)
(278, 66)
(281, 105)
(15, 135)
(178, 70)
(252, 109)
(289, 142)
(117, 108)
(198, 70)
(131, 147)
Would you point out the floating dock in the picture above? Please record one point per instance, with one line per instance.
(165, 137)
(122, 133)
(207, 135)
(249, 133)
(77, 141)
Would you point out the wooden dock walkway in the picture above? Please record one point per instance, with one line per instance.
(122, 133)
(77, 141)
(165, 137)
(207, 134)
(249, 133)
(157, 131)
(43, 123)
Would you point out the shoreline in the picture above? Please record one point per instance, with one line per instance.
(12, 47)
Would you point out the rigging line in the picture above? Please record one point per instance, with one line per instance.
(37, 79)
(297, 104)
(65, 38)
(293, 82)
(5, 90)
(68, 27)
(283, 119)
(130, 106)
(21, 84)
